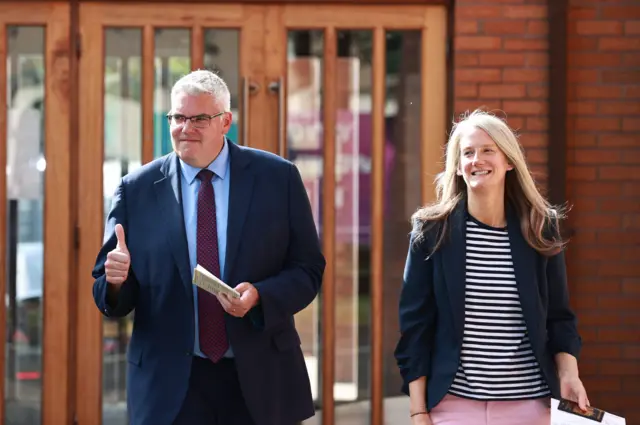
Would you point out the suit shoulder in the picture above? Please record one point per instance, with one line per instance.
(150, 170)
(266, 158)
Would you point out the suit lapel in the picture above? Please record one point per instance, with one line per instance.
(454, 264)
(169, 200)
(240, 191)
(524, 260)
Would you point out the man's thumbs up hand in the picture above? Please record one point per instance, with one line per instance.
(122, 243)
(118, 261)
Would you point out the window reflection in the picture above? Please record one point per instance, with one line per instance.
(305, 149)
(172, 61)
(222, 56)
(353, 221)
(122, 154)
(25, 199)
(403, 180)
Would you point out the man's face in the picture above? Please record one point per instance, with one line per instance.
(199, 140)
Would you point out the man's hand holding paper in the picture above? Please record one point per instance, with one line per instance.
(238, 307)
(237, 301)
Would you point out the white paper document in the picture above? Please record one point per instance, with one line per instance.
(565, 412)
(210, 283)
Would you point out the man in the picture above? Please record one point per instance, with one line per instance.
(243, 214)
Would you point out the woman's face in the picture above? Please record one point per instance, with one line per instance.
(483, 166)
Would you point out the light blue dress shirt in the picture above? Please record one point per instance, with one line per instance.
(189, 187)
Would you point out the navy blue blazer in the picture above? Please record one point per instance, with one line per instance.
(272, 242)
(432, 306)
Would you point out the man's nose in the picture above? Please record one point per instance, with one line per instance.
(188, 124)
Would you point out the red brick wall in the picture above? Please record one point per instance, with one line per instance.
(501, 59)
(501, 56)
(604, 187)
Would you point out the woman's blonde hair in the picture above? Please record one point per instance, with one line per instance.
(536, 215)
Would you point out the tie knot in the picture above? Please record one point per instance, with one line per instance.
(205, 175)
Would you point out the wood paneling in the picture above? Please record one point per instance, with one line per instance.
(389, 17)
(377, 223)
(304, 2)
(58, 229)
(431, 21)
(263, 30)
(57, 367)
(94, 19)
(148, 90)
(329, 103)
(434, 100)
(90, 222)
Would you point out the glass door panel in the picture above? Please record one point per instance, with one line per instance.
(122, 154)
(134, 62)
(35, 222)
(364, 121)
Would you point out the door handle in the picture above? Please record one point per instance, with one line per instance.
(278, 87)
(249, 88)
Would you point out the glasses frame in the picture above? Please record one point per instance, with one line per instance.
(193, 119)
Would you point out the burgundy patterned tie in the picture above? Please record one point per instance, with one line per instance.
(213, 335)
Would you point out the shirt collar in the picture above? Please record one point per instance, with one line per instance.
(219, 166)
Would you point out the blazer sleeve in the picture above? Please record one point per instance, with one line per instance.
(418, 314)
(562, 326)
(125, 300)
(561, 320)
(296, 286)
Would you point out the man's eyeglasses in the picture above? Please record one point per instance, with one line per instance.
(198, 121)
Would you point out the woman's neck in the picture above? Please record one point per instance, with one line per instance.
(487, 208)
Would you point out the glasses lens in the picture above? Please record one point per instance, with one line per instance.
(176, 119)
(201, 122)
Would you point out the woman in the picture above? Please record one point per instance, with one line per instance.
(487, 335)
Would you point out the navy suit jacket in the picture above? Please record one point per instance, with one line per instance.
(272, 242)
(432, 306)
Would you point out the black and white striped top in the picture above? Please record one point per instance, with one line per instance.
(496, 362)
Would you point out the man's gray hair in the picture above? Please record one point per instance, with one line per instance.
(204, 82)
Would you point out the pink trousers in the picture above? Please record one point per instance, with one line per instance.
(454, 410)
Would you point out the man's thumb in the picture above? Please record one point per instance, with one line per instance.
(122, 244)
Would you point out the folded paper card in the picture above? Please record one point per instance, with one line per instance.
(207, 281)
(565, 412)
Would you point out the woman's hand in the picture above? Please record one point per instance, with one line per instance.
(422, 419)
(571, 388)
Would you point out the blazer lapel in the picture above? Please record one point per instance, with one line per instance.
(240, 191)
(454, 251)
(524, 260)
(169, 198)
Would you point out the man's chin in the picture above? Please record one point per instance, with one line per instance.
(188, 156)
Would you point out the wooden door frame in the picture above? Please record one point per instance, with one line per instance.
(93, 18)
(57, 317)
(66, 389)
(432, 21)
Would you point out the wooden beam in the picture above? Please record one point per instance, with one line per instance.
(308, 2)
(328, 355)
(148, 90)
(377, 223)
(434, 99)
(557, 147)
